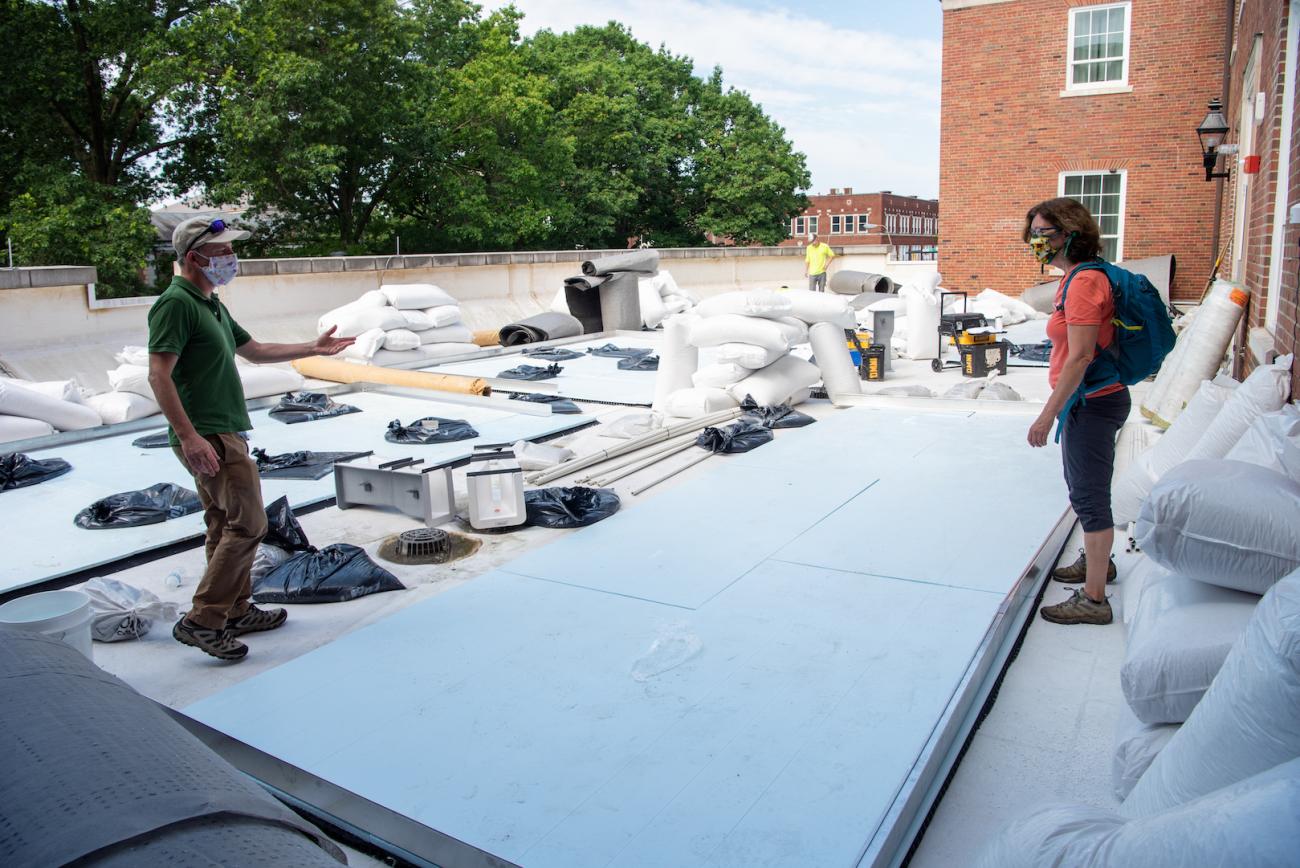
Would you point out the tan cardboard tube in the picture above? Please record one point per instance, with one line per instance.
(336, 371)
(487, 338)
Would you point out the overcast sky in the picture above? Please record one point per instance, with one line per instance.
(855, 83)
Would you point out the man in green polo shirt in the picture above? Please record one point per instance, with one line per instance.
(193, 340)
(815, 259)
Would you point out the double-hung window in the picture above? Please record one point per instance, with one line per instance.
(1098, 47)
(1102, 193)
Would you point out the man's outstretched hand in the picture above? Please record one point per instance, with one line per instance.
(328, 345)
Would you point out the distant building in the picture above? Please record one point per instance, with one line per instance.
(906, 224)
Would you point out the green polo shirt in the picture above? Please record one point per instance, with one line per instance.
(203, 335)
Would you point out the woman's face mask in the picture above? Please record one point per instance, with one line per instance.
(1040, 242)
(220, 270)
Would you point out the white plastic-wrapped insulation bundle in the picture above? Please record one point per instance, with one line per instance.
(678, 359)
(923, 315)
(747, 302)
(1207, 341)
(839, 374)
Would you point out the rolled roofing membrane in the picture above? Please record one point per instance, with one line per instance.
(758, 666)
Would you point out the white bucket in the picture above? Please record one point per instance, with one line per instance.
(62, 615)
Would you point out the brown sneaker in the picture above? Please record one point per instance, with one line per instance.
(219, 643)
(1078, 571)
(1079, 609)
(256, 620)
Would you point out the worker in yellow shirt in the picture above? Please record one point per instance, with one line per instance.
(815, 259)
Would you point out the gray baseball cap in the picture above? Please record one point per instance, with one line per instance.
(198, 231)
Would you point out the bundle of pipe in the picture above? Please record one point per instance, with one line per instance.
(858, 282)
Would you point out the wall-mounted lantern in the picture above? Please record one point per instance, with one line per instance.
(1211, 132)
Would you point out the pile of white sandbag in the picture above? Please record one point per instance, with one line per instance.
(37, 409)
(131, 397)
(401, 323)
(750, 334)
(1007, 309)
(660, 298)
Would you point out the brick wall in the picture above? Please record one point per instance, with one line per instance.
(1006, 135)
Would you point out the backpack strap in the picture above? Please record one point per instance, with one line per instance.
(1080, 394)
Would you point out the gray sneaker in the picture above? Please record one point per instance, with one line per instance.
(1076, 572)
(1079, 609)
(219, 643)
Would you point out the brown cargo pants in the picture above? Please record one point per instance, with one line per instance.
(236, 521)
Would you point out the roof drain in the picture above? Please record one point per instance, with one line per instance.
(425, 544)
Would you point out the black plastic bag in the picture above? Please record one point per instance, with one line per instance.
(740, 436)
(299, 465)
(578, 506)
(776, 416)
(609, 351)
(552, 354)
(531, 372)
(559, 404)
(1033, 352)
(335, 574)
(151, 505)
(157, 440)
(430, 429)
(283, 530)
(639, 363)
(297, 407)
(19, 471)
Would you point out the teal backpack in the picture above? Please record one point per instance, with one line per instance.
(1144, 333)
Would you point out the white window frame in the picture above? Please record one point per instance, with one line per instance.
(812, 225)
(1123, 199)
(1094, 88)
(797, 227)
(837, 224)
(863, 224)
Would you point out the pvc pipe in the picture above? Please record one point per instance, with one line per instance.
(671, 474)
(639, 455)
(644, 463)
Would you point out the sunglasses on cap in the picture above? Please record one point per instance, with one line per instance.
(216, 227)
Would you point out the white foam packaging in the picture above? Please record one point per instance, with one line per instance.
(1178, 638)
(1264, 391)
(689, 403)
(1250, 824)
(407, 296)
(262, 380)
(1245, 724)
(721, 329)
(785, 381)
(452, 334)
(401, 339)
(21, 428)
(1136, 746)
(1272, 441)
(118, 407)
(1226, 523)
(18, 400)
(719, 376)
(746, 355)
(747, 302)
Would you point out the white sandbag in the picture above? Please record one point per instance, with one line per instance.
(746, 302)
(452, 334)
(1172, 447)
(653, 311)
(442, 315)
(896, 304)
(1246, 722)
(967, 390)
(668, 288)
(813, 307)
(678, 360)
(131, 378)
(778, 382)
(401, 339)
(1017, 307)
(16, 400)
(406, 296)
(372, 299)
(350, 322)
(1272, 441)
(675, 304)
(1156, 393)
(839, 374)
(922, 326)
(1226, 523)
(423, 353)
(913, 391)
(1264, 391)
(20, 428)
(1136, 746)
(747, 355)
(365, 346)
(1130, 488)
(1177, 640)
(1206, 343)
(689, 403)
(262, 380)
(719, 376)
(994, 390)
(540, 456)
(795, 330)
(117, 407)
(1139, 573)
(633, 425)
(133, 355)
(1250, 824)
(418, 320)
(721, 329)
(60, 390)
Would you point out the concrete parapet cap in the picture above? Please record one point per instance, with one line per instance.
(287, 266)
(327, 264)
(363, 263)
(47, 275)
(257, 267)
(416, 261)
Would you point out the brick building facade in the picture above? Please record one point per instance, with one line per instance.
(1076, 97)
(907, 224)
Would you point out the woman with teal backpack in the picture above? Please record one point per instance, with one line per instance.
(1090, 407)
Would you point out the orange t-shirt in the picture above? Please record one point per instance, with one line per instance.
(1089, 302)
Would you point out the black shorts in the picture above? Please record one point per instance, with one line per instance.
(1088, 453)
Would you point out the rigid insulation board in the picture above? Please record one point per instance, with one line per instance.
(659, 714)
(42, 543)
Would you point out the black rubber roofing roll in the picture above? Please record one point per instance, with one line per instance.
(642, 261)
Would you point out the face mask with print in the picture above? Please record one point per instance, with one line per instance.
(220, 270)
(1042, 248)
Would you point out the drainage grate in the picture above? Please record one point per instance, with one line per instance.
(425, 544)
